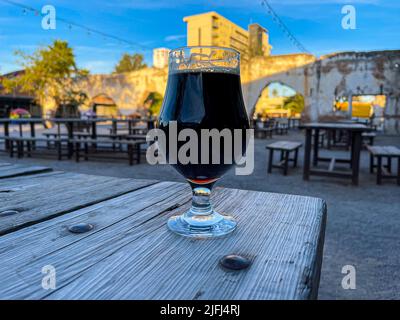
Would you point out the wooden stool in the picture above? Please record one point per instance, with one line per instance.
(285, 147)
(384, 171)
(368, 138)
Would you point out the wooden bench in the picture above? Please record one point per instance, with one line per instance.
(25, 145)
(281, 128)
(264, 132)
(384, 171)
(368, 138)
(83, 145)
(285, 147)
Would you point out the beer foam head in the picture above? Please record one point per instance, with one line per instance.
(204, 59)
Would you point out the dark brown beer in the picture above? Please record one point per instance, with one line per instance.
(203, 100)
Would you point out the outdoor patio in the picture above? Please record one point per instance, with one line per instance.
(362, 227)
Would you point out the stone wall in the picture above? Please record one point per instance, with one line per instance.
(321, 80)
(318, 80)
(128, 90)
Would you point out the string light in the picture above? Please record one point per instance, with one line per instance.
(283, 27)
(89, 30)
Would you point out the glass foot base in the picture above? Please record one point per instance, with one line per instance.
(212, 226)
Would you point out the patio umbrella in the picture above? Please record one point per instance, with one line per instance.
(19, 113)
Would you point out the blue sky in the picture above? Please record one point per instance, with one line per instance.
(156, 23)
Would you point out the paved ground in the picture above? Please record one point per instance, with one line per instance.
(363, 222)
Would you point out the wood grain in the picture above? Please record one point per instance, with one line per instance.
(41, 197)
(130, 254)
(8, 170)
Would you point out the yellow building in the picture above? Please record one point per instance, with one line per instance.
(212, 29)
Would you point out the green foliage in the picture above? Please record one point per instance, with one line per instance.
(294, 103)
(153, 103)
(130, 63)
(50, 71)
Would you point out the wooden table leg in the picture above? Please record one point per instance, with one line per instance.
(352, 149)
(371, 163)
(271, 158)
(33, 134)
(398, 171)
(130, 154)
(11, 148)
(77, 151)
(70, 129)
(29, 146)
(94, 133)
(329, 133)
(349, 140)
(114, 126)
(20, 149)
(6, 134)
(316, 147)
(296, 156)
(307, 155)
(86, 151)
(286, 163)
(379, 171)
(389, 164)
(58, 146)
(130, 126)
(356, 156)
(138, 152)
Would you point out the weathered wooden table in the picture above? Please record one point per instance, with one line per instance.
(130, 254)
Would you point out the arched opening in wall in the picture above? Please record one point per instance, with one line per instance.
(104, 106)
(363, 107)
(278, 100)
(152, 103)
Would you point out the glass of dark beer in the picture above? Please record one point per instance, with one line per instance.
(204, 95)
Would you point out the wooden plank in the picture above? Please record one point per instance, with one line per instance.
(14, 170)
(393, 151)
(384, 150)
(342, 126)
(130, 254)
(327, 173)
(284, 145)
(41, 197)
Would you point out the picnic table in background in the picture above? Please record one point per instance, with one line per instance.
(107, 239)
(354, 132)
(6, 122)
(72, 124)
(132, 125)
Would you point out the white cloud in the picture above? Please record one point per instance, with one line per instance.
(174, 37)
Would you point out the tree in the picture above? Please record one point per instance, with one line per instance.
(50, 72)
(294, 103)
(153, 102)
(130, 63)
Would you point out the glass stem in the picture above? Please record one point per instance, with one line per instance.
(201, 205)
